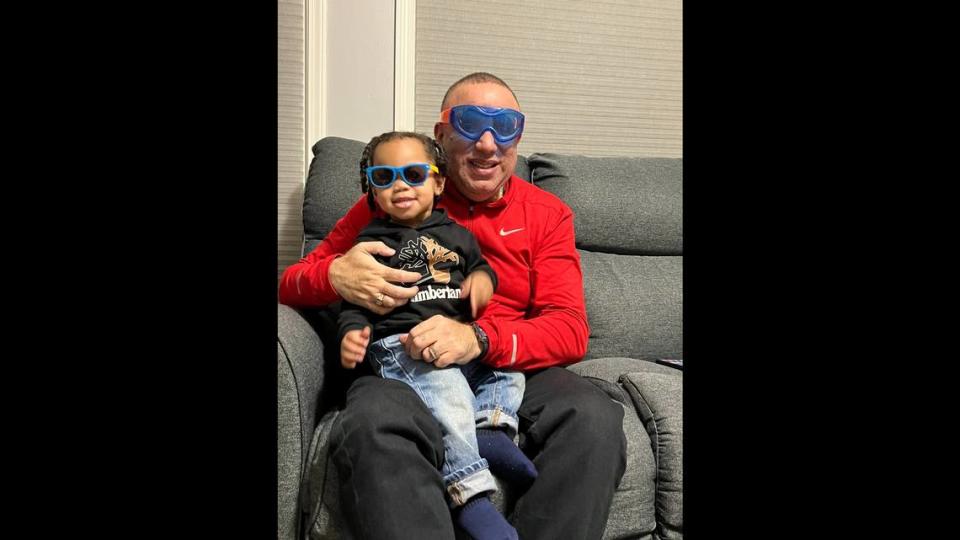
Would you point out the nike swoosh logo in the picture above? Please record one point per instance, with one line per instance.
(504, 233)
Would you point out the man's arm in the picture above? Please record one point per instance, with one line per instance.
(339, 269)
(306, 283)
(555, 333)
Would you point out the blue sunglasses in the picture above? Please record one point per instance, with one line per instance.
(471, 121)
(414, 174)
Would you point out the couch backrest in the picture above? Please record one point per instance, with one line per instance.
(632, 206)
(629, 227)
(628, 222)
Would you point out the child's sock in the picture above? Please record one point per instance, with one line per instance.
(480, 518)
(506, 460)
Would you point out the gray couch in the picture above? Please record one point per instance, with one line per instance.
(629, 235)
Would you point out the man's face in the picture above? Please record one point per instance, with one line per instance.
(478, 169)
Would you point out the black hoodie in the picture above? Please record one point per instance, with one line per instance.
(442, 251)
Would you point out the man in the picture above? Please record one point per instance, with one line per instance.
(386, 445)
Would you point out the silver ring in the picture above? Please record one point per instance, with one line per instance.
(428, 349)
(379, 299)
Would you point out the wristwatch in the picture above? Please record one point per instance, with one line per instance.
(481, 340)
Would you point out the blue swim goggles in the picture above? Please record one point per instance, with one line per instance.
(414, 174)
(471, 121)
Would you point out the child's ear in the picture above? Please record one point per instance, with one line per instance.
(439, 184)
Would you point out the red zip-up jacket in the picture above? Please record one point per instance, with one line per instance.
(537, 317)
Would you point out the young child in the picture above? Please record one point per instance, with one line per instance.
(403, 175)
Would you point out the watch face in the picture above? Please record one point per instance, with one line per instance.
(481, 338)
(481, 335)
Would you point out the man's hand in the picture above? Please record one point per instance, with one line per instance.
(359, 279)
(354, 347)
(478, 287)
(441, 341)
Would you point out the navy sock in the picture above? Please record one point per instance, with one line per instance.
(480, 518)
(507, 462)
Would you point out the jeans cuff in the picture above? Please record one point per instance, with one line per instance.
(498, 418)
(472, 480)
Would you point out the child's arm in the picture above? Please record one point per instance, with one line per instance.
(478, 287)
(353, 347)
(481, 279)
(354, 334)
(355, 326)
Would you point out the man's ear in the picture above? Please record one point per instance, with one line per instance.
(437, 130)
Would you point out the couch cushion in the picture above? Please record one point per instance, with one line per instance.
(634, 305)
(621, 205)
(333, 185)
(632, 511)
(658, 398)
(289, 451)
(612, 369)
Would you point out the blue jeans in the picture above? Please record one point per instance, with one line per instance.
(462, 399)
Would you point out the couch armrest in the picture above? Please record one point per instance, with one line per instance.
(300, 379)
(658, 398)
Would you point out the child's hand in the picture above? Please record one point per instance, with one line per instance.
(478, 287)
(354, 347)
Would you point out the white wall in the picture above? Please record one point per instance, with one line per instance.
(359, 41)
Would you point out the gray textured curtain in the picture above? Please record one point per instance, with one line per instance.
(599, 78)
(290, 131)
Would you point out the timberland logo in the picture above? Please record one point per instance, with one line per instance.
(427, 252)
(431, 293)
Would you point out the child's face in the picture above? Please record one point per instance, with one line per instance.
(406, 204)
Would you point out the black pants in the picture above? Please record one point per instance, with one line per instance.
(388, 450)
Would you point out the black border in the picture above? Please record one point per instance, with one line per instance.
(181, 132)
(784, 422)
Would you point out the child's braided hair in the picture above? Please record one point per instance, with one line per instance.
(434, 152)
